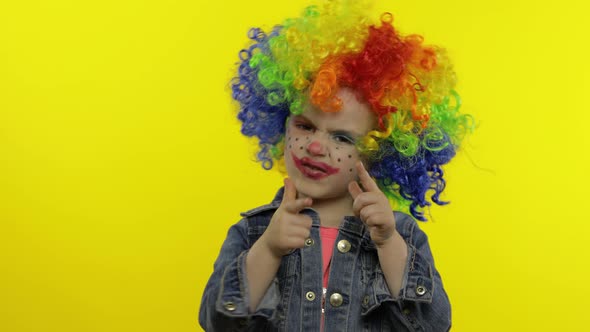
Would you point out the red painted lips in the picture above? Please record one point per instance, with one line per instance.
(313, 169)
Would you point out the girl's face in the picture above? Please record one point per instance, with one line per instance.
(320, 152)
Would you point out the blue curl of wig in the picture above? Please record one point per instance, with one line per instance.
(410, 178)
(259, 118)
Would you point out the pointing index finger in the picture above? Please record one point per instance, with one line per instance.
(366, 179)
(290, 193)
(290, 202)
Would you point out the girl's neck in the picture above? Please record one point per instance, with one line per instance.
(332, 211)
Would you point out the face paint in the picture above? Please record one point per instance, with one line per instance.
(321, 144)
(312, 169)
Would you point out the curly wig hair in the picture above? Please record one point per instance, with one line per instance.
(408, 85)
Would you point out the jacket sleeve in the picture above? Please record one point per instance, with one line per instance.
(422, 303)
(224, 306)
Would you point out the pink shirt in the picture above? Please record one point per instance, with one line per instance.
(328, 236)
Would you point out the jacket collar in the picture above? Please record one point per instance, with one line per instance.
(350, 224)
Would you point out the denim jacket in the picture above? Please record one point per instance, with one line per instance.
(357, 298)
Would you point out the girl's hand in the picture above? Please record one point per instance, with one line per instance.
(288, 229)
(372, 207)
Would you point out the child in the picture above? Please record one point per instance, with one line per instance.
(359, 117)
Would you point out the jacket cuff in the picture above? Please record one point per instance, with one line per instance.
(234, 295)
(417, 284)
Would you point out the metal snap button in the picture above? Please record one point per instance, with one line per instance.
(366, 301)
(336, 300)
(310, 296)
(309, 242)
(343, 246)
(229, 306)
(420, 290)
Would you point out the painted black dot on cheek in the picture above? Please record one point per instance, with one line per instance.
(300, 148)
(350, 170)
(329, 155)
(297, 138)
(289, 146)
(338, 159)
(349, 156)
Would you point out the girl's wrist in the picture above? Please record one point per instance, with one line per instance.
(268, 248)
(390, 242)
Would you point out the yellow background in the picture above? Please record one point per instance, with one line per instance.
(122, 166)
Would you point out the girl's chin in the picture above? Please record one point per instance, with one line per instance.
(317, 191)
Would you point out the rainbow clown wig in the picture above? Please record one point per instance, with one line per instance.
(409, 86)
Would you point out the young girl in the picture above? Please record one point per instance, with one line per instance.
(359, 117)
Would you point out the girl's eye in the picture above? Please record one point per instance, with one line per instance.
(344, 139)
(303, 126)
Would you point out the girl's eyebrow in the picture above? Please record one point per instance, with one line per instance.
(303, 118)
(350, 133)
(299, 116)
